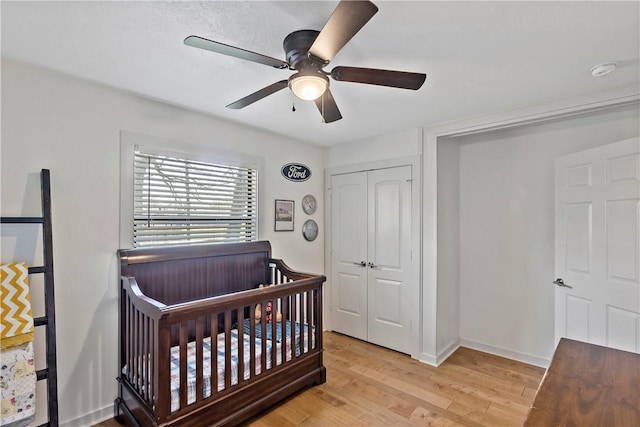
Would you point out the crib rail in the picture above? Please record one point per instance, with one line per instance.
(214, 329)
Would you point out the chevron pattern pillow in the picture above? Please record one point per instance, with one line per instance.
(16, 326)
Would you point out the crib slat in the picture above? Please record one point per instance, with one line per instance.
(136, 347)
(273, 323)
(252, 342)
(153, 351)
(214, 354)
(317, 296)
(184, 335)
(129, 341)
(294, 318)
(145, 357)
(163, 371)
(240, 319)
(308, 321)
(283, 326)
(263, 341)
(199, 358)
(227, 349)
(302, 315)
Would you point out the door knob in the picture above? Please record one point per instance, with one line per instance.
(361, 263)
(372, 265)
(561, 283)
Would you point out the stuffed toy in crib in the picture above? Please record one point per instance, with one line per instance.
(267, 312)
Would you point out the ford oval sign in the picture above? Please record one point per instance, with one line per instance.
(296, 172)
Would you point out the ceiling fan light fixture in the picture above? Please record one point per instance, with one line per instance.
(308, 86)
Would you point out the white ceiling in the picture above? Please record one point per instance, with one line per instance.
(480, 57)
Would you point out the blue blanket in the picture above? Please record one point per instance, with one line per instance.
(287, 329)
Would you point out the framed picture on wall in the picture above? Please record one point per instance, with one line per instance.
(284, 215)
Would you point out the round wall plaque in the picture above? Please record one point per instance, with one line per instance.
(309, 204)
(310, 230)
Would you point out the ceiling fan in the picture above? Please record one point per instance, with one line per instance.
(308, 52)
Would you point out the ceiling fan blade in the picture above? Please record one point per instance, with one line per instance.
(257, 96)
(372, 76)
(347, 19)
(328, 108)
(236, 52)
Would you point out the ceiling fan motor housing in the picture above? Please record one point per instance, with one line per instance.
(296, 47)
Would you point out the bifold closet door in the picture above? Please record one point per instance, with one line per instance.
(349, 254)
(389, 257)
(371, 255)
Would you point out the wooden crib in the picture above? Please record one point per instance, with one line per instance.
(191, 351)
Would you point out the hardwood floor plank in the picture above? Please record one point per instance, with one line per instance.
(371, 404)
(371, 386)
(499, 367)
(399, 385)
(468, 413)
(423, 417)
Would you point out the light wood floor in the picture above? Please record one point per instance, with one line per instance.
(371, 386)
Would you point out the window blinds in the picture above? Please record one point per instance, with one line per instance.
(181, 201)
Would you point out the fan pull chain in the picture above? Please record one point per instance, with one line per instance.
(293, 107)
(322, 104)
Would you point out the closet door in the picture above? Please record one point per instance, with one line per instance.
(389, 257)
(349, 254)
(371, 255)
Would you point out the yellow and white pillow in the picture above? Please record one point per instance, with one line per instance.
(16, 325)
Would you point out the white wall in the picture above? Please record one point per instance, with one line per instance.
(72, 127)
(400, 144)
(506, 261)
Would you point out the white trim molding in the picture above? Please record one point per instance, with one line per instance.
(504, 352)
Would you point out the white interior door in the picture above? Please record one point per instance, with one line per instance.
(371, 256)
(349, 254)
(389, 257)
(597, 204)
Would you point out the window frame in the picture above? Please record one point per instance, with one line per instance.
(129, 141)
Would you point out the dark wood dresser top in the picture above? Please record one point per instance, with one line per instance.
(588, 385)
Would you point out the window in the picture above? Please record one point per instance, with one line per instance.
(182, 201)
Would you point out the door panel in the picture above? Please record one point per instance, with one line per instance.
(349, 249)
(578, 237)
(622, 227)
(598, 245)
(386, 219)
(348, 300)
(387, 304)
(577, 322)
(390, 253)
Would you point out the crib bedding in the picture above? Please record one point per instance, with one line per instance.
(288, 328)
(206, 362)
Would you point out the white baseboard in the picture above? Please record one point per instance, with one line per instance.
(443, 355)
(509, 354)
(434, 361)
(427, 359)
(90, 419)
